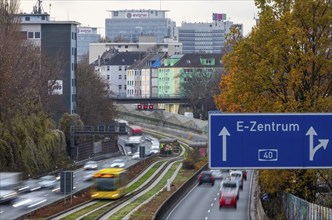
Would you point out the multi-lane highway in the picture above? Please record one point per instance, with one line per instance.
(26, 202)
(203, 203)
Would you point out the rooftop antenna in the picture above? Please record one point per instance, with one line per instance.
(38, 8)
(50, 5)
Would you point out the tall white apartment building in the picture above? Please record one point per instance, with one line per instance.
(208, 37)
(57, 40)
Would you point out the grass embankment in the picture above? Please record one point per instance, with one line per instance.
(134, 186)
(123, 212)
(148, 210)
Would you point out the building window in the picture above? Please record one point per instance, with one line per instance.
(120, 77)
(120, 68)
(125, 76)
(120, 87)
(108, 87)
(108, 68)
(27, 19)
(37, 34)
(125, 87)
(30, 34)
(108, 76)
(73, 96)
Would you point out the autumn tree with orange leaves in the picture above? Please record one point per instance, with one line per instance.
(283, 65)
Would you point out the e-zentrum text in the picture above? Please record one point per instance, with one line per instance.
(254, 126)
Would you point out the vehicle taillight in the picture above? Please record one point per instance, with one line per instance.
(212, 178)
(199, 177)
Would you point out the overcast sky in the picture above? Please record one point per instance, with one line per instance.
(94, 12)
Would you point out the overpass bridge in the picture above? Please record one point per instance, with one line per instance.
(151, 100)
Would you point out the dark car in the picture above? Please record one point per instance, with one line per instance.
(206, 177)
(244, 172)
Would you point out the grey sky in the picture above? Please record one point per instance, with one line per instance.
(93, 12)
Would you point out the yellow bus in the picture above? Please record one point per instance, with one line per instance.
(109, 183)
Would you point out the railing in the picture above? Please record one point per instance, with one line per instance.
(150, 99)
(296, 208)
(175, 198)
(113, 128)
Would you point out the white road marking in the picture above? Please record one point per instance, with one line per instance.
(211, 204)
(209, 211)
(206, 218)
(2, 212)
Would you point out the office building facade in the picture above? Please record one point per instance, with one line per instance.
(128, 25)
(85, 36)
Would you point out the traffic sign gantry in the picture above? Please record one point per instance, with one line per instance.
(270, 141)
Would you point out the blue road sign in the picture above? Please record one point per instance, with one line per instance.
(270, 141)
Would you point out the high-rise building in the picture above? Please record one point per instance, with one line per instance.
(85, 36)
(128, 25)
(208, 37)
(57, 40)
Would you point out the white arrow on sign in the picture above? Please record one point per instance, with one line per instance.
(322, 143)
(224, 133)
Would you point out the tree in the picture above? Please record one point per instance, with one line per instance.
(29, 142)
(94, 104)
(284, 65)
(200, 87)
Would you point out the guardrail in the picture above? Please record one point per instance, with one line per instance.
(169, 204)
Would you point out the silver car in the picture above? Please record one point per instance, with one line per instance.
(91, 165)
(230, 184)
(48, 181)
(118, 163)
(217, 174)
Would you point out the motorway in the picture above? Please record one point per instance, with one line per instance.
(202, 202)
(43, 197)
(27, 202)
